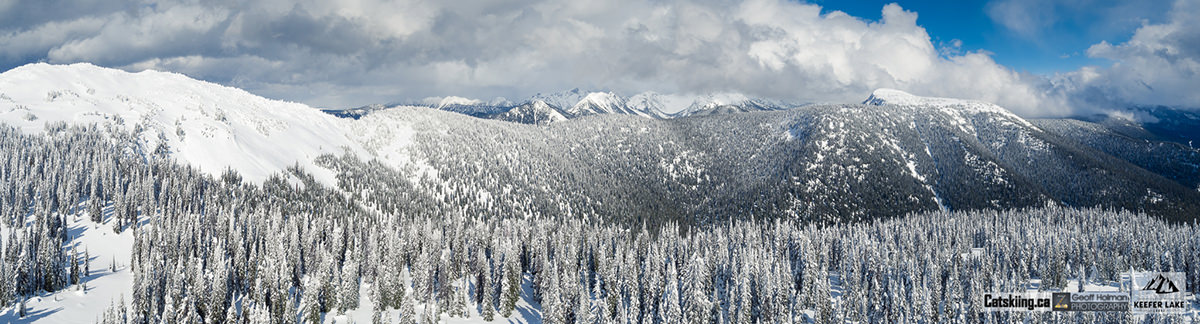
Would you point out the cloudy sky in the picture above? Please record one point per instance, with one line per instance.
(1036, 57)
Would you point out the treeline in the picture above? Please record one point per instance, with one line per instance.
(834, 163)
(218, 250)
(1131, 143)
(44, 179)
(271, 267)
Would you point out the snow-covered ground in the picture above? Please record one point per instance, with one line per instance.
(103, 286)
(950, 106)
(527, 310)
(106, 288)
(210, 126)
(214, 127)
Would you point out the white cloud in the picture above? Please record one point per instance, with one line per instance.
(1159, 65)
(355, 52)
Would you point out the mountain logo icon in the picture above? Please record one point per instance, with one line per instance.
(1161, 285)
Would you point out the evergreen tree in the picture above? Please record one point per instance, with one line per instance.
(377, 317)
(348, 289)
(432, 312)
(584, 313)
(231, 314)
(408, 313)
(486, 309)
(672, 312)
(599, 309)
(87, 263)
(76, 270)
(95, 210)
(310, 303)
(512, 283)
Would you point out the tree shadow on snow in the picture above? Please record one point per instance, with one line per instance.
(30, 317)
(528, 312)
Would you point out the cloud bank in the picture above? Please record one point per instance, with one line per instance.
(1159, 65)
(356, 52)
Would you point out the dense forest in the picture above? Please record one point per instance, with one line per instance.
(829, 164)
(421, 247)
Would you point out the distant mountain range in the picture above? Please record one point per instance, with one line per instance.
(602, 155)
(542, 109)
(894, 154)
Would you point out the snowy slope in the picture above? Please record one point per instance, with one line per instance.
(596, 103)
(885, 96)
(466, 106)
(602, 103)
(104, 287)
(562, 100)
(714, 100)
(576, 103)
(726, 103)
(535, 112)
(457, 101)
(209, 126)
(655, 104)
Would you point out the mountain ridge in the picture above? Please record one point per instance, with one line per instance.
(897, 154)
(211, 126)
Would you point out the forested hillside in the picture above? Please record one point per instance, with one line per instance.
(904, 209)
(823, 163)
(222, 250)
(1172, 160)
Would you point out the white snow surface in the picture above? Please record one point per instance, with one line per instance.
(646, 104)
(209, 126)
(538, 107)
(562, 100)
(712, 100)
(104, 287)
(527, 311)
(655, 103)
(885, 96)
(598, 103)
(457, 101)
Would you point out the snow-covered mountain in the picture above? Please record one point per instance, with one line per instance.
(1153, 122)
(535, 112)
(940, 144)
(422, 201)
(710, 101)
(726, 103)
(455, 101)
(885, 96)
(577, 103)
(357, 112)
(833, 162)
(607, 103)
(562, 100)
(651, 103)
(207, 125)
